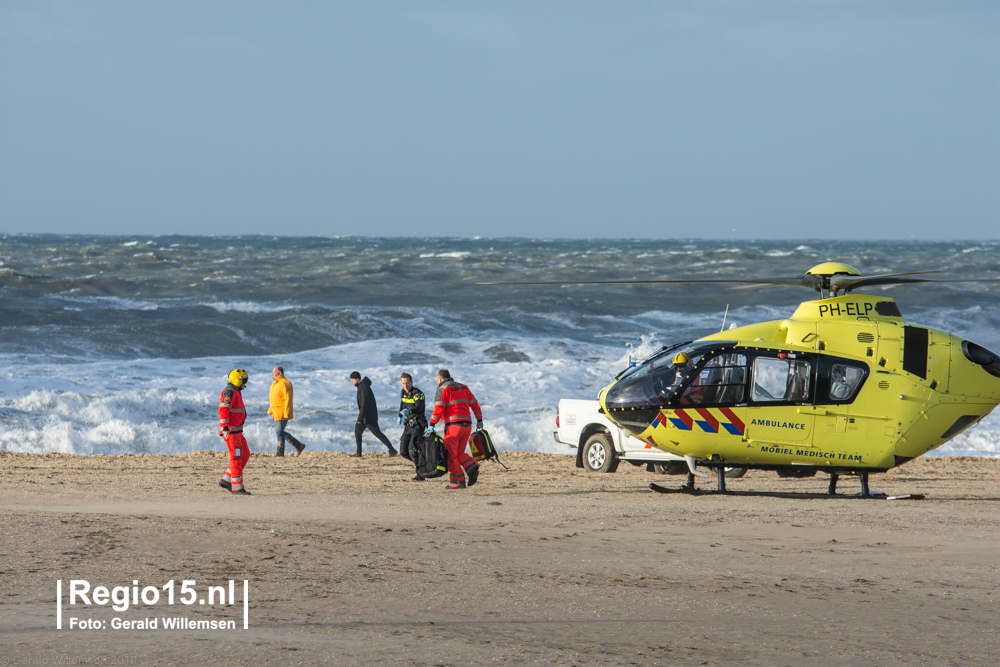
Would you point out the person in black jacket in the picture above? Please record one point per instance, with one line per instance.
(367, 413)
(412, 416)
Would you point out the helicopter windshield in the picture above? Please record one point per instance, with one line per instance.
(656, 357)
(656, 381)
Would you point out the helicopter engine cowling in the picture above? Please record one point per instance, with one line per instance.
(978, 354)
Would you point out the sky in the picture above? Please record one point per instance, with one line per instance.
(820, 119)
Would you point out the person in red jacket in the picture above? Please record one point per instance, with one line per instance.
(232, 414)
(452, 405)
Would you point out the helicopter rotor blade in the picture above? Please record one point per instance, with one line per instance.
(606, 282)
(838, 282)
(797, 281)
(902, 281)
(847, 282)
(805, 280)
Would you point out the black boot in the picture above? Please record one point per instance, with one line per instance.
(296, 444)
(473, 473)
(281, 450)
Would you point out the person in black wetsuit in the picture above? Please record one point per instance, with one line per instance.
(411, 416)
(367, 413)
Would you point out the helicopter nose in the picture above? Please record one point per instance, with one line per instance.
(632, 402)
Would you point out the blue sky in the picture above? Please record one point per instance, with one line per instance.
(819, 119)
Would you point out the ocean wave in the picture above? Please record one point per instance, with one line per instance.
(92, 325)
(164, 406)
(455, 255)
(170, 406)
(252, 307)
(116, 302)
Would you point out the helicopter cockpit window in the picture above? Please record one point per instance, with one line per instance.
(781, 379)
(669, 377)
(721, 380)
(653, 385)
(844, 381)
(656, 381)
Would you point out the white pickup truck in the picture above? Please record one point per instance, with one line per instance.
(601, 445)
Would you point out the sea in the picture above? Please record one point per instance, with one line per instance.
(122, 344)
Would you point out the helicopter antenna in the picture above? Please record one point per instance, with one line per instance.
(724, 318)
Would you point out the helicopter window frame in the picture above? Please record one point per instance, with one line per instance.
(844, 381)
(824, 381)
(789, 358)
(703, 369)
(657, 382)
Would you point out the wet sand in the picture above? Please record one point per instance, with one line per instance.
(349, 562)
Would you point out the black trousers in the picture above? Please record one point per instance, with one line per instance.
(373, 427)
(408, 441)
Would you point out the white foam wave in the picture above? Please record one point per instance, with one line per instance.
(120, 303)
(247, 307)
(116, 302)
(456, 255)
(169, 406)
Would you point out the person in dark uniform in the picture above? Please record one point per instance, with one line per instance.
(367, 413)
(411, 416)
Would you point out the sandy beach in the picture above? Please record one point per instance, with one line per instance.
(349, 561)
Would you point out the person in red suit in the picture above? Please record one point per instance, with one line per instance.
(232, 414)
(452, 405)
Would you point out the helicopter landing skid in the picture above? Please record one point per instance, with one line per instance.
(687, 490)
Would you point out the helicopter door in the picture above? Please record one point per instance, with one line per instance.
(842, 428)
(713, 402)
(780, 386)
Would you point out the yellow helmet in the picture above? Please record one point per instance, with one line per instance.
(238, 377)
(681, 359)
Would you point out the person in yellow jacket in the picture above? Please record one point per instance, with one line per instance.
(281, 410)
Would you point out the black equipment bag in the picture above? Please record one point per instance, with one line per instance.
(431, 458)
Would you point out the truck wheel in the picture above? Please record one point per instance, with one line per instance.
(680, 468)
(599, 454)
(671, 468)
(796, 474)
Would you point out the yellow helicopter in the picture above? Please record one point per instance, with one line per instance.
(843, 386)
